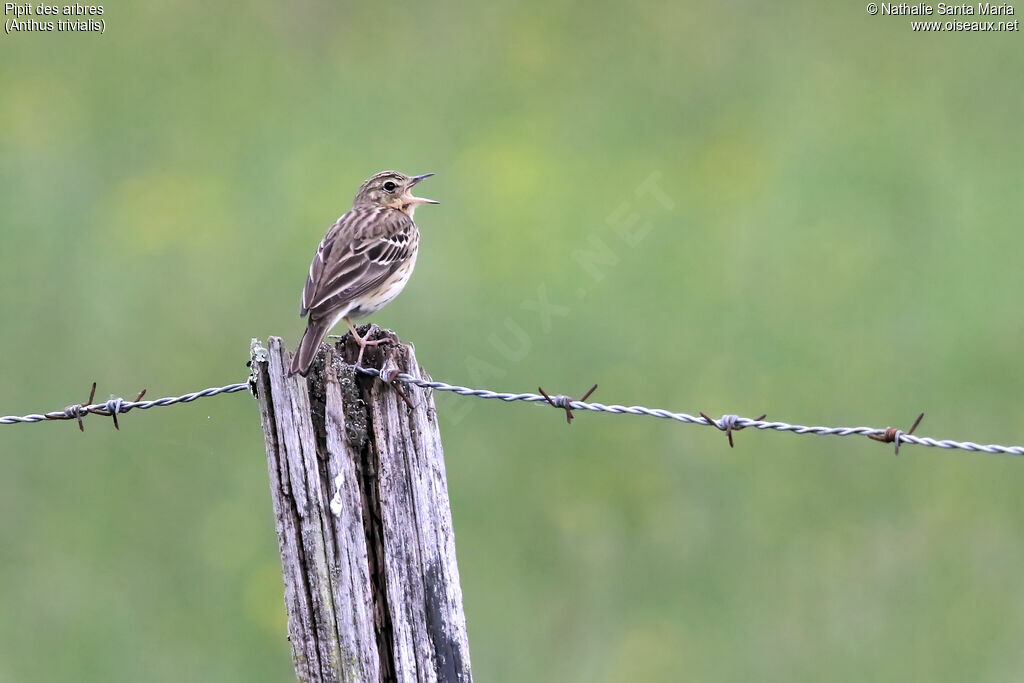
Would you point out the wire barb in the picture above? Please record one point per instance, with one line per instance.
(564, 402)
(891, 434)
(730, 424)
(77, 411)
(390, 377)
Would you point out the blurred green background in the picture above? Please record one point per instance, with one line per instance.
(843, 247)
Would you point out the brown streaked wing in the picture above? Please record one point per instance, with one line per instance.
(359, 252)
(350, 226)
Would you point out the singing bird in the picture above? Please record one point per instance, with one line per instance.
(363, 262)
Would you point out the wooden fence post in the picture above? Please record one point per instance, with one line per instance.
(364, 525)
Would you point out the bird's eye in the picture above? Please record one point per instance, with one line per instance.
(390, 186)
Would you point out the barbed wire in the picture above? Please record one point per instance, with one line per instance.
(119, 406)
(727, 423)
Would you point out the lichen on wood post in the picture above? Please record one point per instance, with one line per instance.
(371, 587)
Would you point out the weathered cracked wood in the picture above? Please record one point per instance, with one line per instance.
(372, 592)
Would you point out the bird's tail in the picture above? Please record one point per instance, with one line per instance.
(315, 332)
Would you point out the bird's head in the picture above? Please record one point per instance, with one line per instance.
(392, 190)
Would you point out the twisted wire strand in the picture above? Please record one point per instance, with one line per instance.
(733, 421)
(119, 406)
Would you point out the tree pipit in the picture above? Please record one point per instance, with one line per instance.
(362, 263)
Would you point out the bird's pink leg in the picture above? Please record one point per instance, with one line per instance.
(361, 341)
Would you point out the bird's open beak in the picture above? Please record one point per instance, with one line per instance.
(420, 200)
